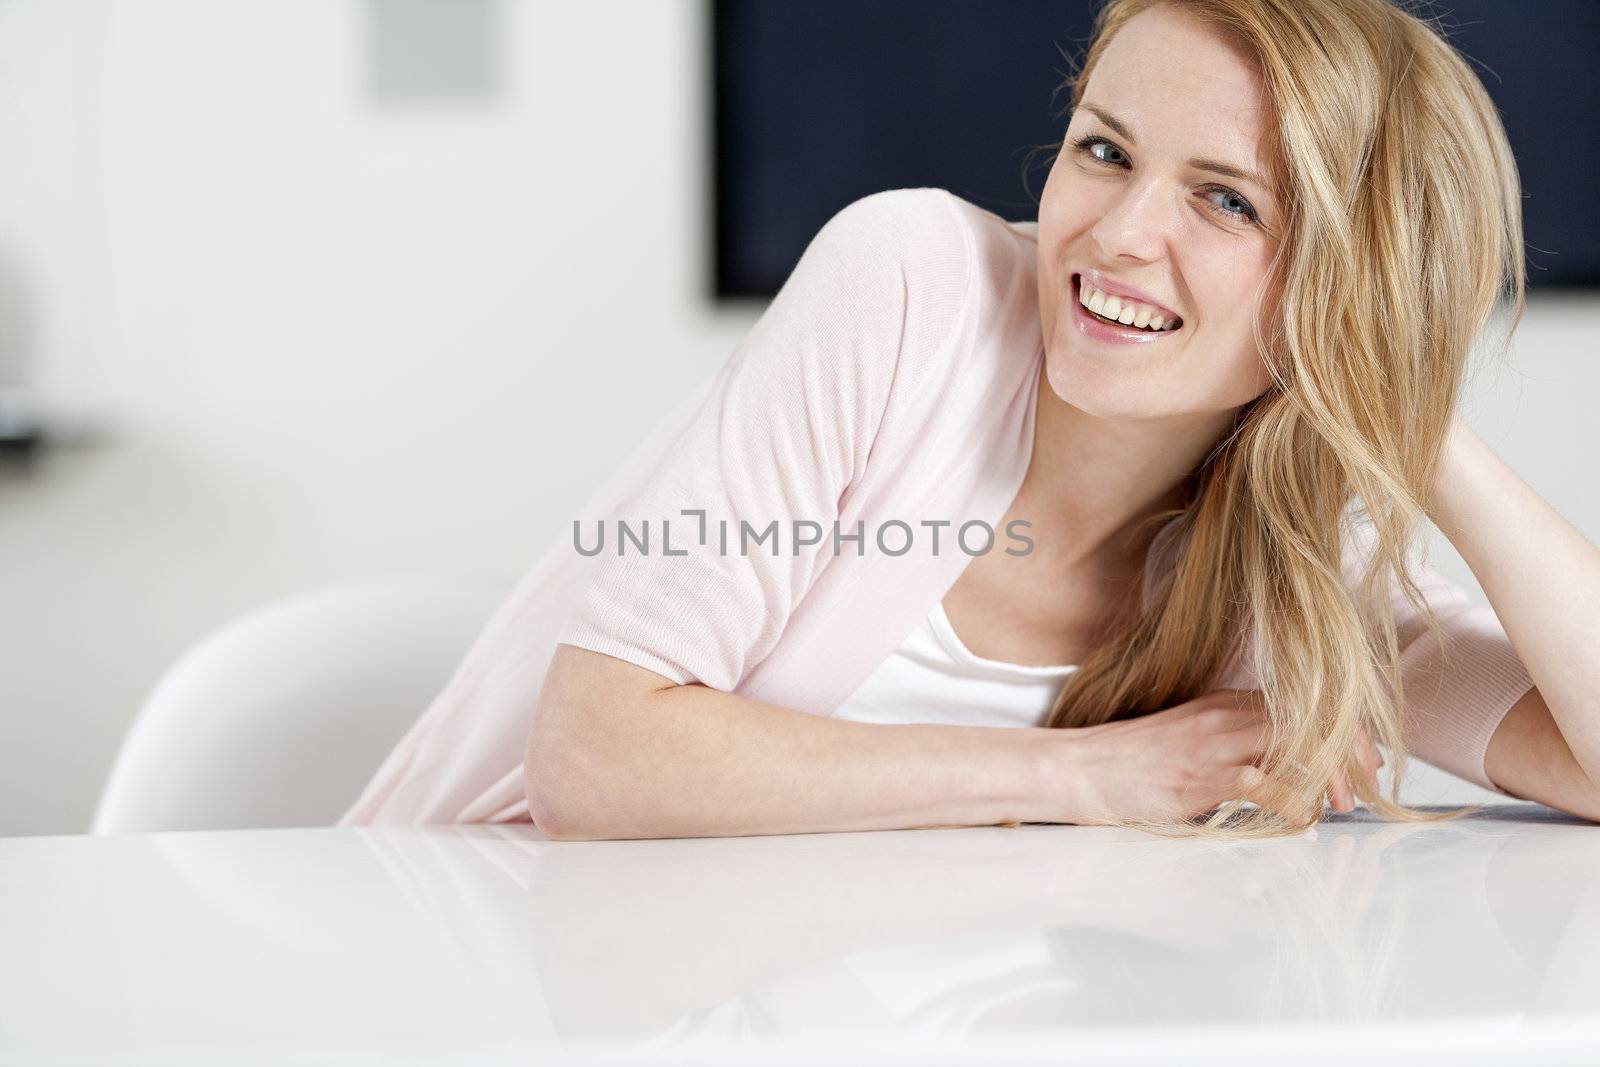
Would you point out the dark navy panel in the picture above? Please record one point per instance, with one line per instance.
(820, 102)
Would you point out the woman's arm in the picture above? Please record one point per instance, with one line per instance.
(617, 751)
(1542, 578)
(1529, 757)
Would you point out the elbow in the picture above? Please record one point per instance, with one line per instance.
(542, 808)
(560, 816)
(581, 765)
(554, 830)
(557, 809)
(565, 786)
(557, 820)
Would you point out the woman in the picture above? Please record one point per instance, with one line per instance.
(1301, 214)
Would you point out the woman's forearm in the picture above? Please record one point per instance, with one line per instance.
(690, 761)
(1542, 577)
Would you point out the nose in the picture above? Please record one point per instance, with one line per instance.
(1134, 224)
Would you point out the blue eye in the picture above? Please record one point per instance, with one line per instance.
(1244, 211)
(1087, 144)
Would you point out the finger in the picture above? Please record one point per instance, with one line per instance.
(1369, 758)
(1252, 785)
(1376, 757)
(1340, 790)
(1366, 751)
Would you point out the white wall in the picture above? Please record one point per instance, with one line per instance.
(335, 343)
(342, 343)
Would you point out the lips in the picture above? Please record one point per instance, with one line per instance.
(1097, 330)
(1113, 287)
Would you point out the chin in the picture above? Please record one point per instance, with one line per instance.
(1084, 385)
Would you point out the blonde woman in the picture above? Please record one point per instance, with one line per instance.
(1178, 438)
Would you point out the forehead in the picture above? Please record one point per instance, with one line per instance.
(1177, 82)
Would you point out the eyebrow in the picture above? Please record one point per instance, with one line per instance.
(1215, 166)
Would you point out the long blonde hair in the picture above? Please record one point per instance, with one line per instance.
(1403, 234)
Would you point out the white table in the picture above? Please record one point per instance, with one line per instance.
(1358, 942)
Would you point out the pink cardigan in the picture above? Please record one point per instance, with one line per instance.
(892, 378)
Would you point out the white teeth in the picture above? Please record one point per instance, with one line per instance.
(1127, 312)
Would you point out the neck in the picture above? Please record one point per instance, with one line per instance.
(1093, 481)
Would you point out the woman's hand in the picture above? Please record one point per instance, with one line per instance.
(1186, 760)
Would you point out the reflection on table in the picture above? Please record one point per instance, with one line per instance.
(487, 938)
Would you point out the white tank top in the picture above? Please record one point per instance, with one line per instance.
(933, 678)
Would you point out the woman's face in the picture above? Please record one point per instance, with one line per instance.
(1130, 201)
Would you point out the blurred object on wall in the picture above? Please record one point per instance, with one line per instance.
(422, 51)
(19, 427)
(19, 430)
(51, 227)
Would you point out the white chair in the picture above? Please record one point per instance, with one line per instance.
(281, 717)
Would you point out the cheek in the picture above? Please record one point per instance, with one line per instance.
(1250, 376)
(1049, 301)
(1247, 372)
(1066, 212)
(1070, 205)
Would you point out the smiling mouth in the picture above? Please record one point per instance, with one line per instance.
(1077, 297)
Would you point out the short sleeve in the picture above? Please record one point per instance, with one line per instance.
(784, 429)
(1459, 682)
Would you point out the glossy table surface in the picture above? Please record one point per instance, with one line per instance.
(1061, 944)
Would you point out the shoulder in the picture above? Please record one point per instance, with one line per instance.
(980, 266)
(905, 217)
(955, 272)
(913, 239)
(918, 309)
(932, 232)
